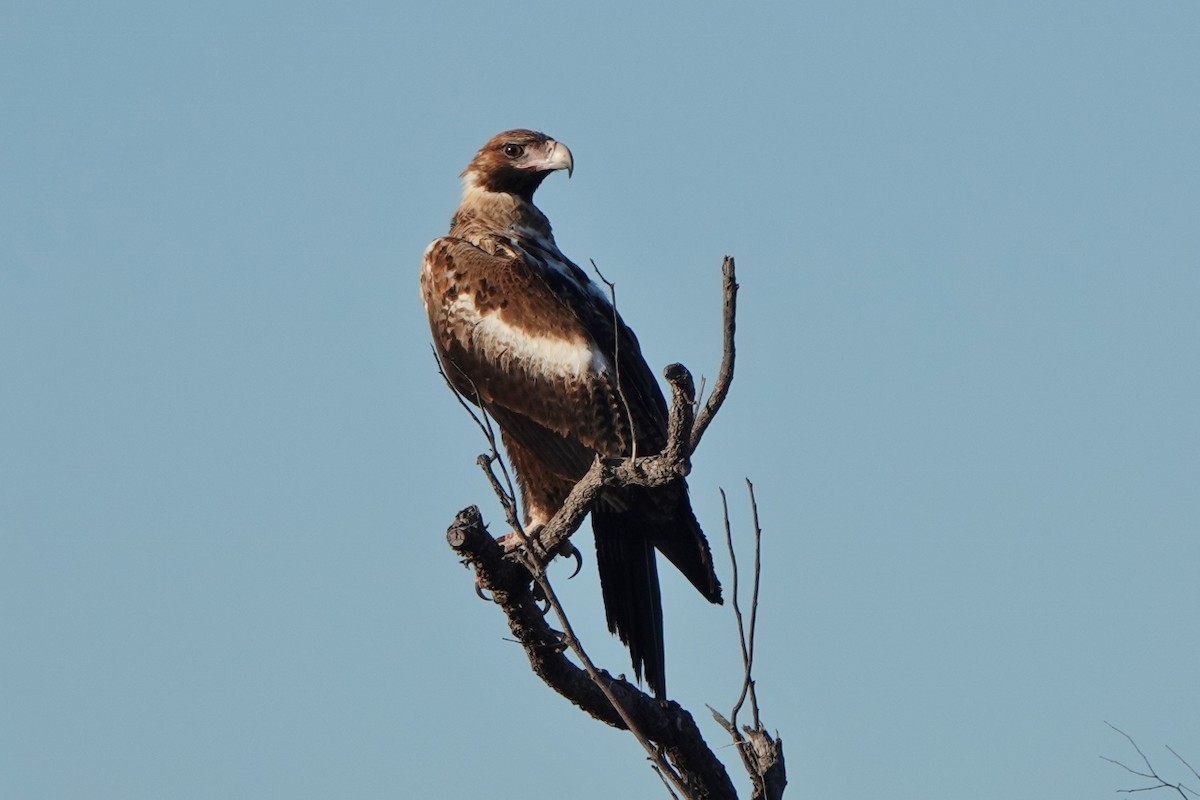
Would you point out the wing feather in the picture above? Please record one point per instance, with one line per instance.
(545, 353)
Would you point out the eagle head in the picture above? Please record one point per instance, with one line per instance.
(516, 162)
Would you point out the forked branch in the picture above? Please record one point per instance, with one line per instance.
(761, 754)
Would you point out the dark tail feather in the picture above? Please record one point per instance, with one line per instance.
(628, 527)
(680, 539)
(629, 583)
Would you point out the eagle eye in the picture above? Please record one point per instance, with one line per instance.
(513, 150)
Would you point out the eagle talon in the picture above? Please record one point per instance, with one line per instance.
(572, 551)
(479, 591)
(539, 596)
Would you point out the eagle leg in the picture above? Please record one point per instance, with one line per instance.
(509, 542)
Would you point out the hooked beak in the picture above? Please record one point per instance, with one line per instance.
(559, 157)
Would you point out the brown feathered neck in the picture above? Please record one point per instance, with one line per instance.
(499, 183)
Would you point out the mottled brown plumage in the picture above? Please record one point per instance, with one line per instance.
(523, 333)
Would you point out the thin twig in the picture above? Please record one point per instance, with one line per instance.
(730, 725)
(462, 401)
(746, 640)
(485, 463)
(508, 496)
(754, 601)
(761, 754)
(1150, 774)
(667, 784)
(616, 326)
(656, 758)
(1186, 764)
(737, 614)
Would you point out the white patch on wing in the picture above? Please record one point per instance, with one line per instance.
(508, 346)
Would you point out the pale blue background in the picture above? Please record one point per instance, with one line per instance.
(969, 247)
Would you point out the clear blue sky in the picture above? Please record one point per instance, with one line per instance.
(969, 247)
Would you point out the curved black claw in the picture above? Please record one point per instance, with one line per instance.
(578, 556)
(479, 592)
(540, 597)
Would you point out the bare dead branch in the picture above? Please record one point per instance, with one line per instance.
(682, 420)
(656, 470)
(664, 770)
(754, 599)
(767, 757)
(737, 615)
(667, 724)
(667, 731)
(725, 376)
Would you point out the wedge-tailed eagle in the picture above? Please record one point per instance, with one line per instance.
(522, 332)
